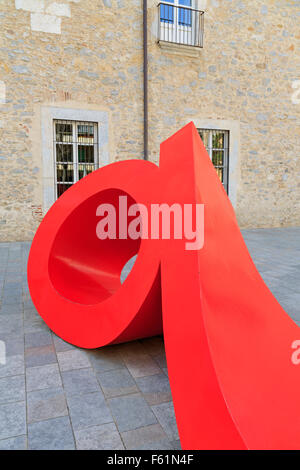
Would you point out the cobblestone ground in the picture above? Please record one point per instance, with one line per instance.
(56, 396)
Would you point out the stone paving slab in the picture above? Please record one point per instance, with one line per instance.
(131, 412)
(53, 434)
(41, 377)
(14, 443)
(165, 415)
(89, 409)
(12, 389)
(56, 396)
(117, 382)
(103, 437)
(145, 436)
(155, 388)
(46, 404)
(14, 366)
(12, 420)
(80, 381)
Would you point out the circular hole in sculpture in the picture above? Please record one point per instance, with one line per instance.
(83, 268)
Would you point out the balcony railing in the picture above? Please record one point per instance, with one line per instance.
(180, 24)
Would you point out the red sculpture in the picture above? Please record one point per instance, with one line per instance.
(228, 341)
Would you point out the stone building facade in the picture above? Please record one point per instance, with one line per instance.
(75, 61)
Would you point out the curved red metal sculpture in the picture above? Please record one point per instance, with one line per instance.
(228, 341)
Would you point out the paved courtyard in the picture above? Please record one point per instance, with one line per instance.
(56, 396)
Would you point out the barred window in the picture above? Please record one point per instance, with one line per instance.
(217, 145)
(75, 151)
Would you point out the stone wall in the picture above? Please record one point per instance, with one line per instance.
(245, 72)
(89, 55)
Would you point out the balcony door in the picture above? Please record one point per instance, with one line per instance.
(177, 19)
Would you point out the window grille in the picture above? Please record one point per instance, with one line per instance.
(75, 151)
(217, 145)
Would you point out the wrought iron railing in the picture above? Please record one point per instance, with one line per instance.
(180, 24)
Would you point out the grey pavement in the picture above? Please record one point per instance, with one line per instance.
(56, 396)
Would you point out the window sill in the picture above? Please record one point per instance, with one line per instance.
(179, 49)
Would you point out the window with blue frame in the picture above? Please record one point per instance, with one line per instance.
(184, 17)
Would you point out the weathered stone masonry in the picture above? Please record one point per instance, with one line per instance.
(88, 56)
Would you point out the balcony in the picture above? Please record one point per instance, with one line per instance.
(180, 24)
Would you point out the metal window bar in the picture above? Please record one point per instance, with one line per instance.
(180, 24)
(76, 152)
(216, 143)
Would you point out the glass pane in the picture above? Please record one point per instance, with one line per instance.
(89, 169)
(85, 133)
(220, 173)
(61, 188)
(64, 132)
(86, 153)
(185, 14)
(167, 13)
(64, 153)
(64, 173)
(218, 140)
(84, 169)
(81, 173)
(218, 157)
(205, 137)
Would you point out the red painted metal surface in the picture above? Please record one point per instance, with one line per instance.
(228, 341)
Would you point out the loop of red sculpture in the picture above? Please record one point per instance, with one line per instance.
(228, 341)
(74, 278)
